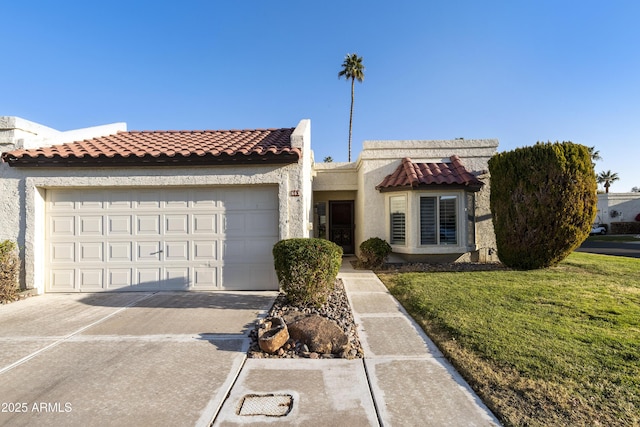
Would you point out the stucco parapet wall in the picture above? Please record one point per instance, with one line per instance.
(335, 176)
(16, 132)
(428, 150)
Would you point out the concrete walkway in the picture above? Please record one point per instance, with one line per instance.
(403, 380)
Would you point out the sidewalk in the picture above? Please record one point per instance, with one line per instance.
(403, 380)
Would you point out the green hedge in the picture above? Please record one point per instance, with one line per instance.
(543, 202)
(307, 269)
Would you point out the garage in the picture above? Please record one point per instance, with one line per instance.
(160, 238)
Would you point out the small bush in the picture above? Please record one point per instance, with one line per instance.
(307, 269)
(373, 252)
(9, 269)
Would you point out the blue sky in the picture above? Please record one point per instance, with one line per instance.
(521, 71)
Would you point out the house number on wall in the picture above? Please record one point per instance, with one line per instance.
(295, 193)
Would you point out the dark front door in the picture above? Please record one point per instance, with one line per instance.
(341, 224)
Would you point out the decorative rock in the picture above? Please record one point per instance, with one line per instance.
(318, 333)
(272, 335)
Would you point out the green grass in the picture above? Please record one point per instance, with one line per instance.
(557, 346)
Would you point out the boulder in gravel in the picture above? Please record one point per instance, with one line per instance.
(320, 334)
(272, 335)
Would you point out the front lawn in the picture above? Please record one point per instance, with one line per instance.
(558, 346)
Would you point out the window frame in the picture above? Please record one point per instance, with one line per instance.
(390, 223)
(437, 219)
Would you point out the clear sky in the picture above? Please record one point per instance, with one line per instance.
(521, 71)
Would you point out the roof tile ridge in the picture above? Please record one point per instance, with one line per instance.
(410, 171)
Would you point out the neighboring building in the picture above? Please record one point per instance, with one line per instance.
(104, 208)
(617, 207)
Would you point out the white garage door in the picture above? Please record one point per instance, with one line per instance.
(161, 239)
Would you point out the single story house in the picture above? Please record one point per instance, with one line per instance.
(617, 208)
(106, 209)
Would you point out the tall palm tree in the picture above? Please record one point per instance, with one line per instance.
(595, 154)
(352, 68)
(607, 178)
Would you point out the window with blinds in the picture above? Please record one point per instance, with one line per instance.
(438, 220)
(398, 220)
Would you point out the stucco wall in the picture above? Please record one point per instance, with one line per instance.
(380, 158)
(22, 193)
(617, 207)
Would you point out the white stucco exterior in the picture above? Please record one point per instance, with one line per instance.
(337, 181)
(617, 207)
(301, 188)
(23, 190)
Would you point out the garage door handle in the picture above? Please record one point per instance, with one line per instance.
(158, 252)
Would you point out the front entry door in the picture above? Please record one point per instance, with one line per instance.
(341, 224)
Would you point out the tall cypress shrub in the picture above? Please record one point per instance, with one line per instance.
(543, 202)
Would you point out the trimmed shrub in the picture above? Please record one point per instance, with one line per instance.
(9, 270)
(543, 202)
(373, 252)
(625, 228)
(307, 269)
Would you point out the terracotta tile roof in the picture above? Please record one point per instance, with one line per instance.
(414, 175)
(155, 148)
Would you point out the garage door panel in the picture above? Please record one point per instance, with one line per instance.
(119, 277)
(119, 252)
(261, 223)
(91, 279)
(119, 199)
(206, 198)
(177, 199)
(261, 276)
(90, 225)
(62, 252)
(176, 278)
(62, 225)
(149, 199)
(148, 251)
(91, 252)
(160, 239)
(176, 224)
(61, 200)
(176, 251)
(205, 250)
(148, 224)
(62, 280)
(119, 225)
(205, 278)
(89, 200)
(148, 276)
(205, 223)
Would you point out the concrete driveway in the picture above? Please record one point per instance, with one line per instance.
(122, 358)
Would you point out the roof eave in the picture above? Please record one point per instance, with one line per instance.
(160, 161)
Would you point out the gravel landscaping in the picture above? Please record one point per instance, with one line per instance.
(337, 309)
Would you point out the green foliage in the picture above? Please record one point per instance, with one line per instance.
(543, 202)
(549, 347)
(9, 269)
(307, 269)
(373, 252)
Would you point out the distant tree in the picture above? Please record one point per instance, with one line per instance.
(352, 69)
(635, 190)
(607, 178)
(595, 155)
(543, 202)
(328, 159)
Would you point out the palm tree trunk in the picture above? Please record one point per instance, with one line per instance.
(351, 115)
